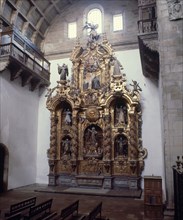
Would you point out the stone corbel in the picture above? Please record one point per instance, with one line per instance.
(175, 9)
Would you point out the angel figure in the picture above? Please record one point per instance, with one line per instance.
(94, 36)
(136, 87)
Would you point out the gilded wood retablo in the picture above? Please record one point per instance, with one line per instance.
(96, 121)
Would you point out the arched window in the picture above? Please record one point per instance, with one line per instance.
(94, 16)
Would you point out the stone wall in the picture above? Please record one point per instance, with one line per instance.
(57, 43)
(171, 86)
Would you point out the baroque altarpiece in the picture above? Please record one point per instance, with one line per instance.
(96, 121)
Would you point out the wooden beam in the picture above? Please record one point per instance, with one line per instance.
(15, 74)
(26, 79)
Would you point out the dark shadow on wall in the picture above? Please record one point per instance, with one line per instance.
(4, 161)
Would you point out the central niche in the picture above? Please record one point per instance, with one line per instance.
(93, 142)
(96, 120)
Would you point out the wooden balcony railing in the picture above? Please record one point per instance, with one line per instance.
(21, 50)
(147, 26)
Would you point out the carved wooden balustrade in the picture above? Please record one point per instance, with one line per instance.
(148, 38)
(23, 59)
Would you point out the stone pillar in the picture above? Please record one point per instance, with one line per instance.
(171, 88)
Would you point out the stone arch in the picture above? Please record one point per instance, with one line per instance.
(4, 164)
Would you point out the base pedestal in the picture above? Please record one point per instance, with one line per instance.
(52, 180)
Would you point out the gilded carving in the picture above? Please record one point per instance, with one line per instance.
(95, 118)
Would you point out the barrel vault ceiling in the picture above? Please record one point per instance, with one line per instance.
(32, 17)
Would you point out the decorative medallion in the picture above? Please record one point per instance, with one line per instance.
(92, 114)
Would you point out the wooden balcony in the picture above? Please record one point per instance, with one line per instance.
(148, 38)
(23, 60)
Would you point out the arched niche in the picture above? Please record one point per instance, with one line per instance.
(64, 113)
(93, 142)
(120, 146)
(66, 148)
(119, 110)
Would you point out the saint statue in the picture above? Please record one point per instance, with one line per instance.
(120, 117)
(92, 135)
(66, 144)
(95, 83)
(121, 146)
(68, 117)
(63, 71)
(115, 66)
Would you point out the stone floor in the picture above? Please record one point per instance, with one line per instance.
(116, 206)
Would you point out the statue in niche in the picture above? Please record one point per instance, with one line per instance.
(63, 71)
(95, 83)
(120, 116)
(92, 147)
(92, 136)
(66, 146)
(121, 147)
(68, 116)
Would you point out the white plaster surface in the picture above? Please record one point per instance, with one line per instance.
(18, 125)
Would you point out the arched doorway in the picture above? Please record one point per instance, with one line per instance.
(3, 168)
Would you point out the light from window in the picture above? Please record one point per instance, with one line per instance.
(95, 17)
(72, 30)
(117, 22)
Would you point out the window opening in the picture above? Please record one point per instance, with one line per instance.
(117, 22)
(72, 30)
(95, 17)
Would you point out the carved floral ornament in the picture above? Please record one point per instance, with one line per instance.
(175, 9)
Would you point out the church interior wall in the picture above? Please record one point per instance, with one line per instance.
(18, 125)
